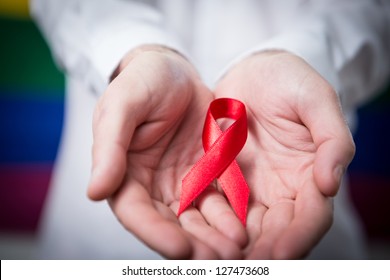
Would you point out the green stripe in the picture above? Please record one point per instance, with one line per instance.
(25, 59)
(381, 101)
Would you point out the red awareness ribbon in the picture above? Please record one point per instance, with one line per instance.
(218, 162)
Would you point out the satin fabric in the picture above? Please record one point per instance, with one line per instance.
(219, 160)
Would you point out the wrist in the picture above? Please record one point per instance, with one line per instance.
(130, 55)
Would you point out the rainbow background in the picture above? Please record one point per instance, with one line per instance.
(31, 117)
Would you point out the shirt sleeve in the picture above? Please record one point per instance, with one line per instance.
(88, 38)
(347, 42)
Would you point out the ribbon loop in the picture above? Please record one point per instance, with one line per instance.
(218, 162)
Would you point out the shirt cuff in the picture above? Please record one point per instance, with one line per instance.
(310, 44)
(109, 48)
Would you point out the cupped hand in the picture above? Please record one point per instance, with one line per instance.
(297, 150)
(147, 135)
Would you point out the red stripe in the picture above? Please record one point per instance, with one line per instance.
(23, 189)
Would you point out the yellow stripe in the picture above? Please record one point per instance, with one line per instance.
(14, 8)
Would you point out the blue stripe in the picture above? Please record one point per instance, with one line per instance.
(372, 141)
(30, 128)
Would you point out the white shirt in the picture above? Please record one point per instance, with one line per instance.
(347, 42)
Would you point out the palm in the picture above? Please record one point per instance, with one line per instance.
(278, 164)
(160, 166)
(154, 174)
(287, 213)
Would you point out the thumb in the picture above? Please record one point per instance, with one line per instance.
(321, 113)
(115, 120)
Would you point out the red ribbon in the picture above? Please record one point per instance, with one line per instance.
(218, 162)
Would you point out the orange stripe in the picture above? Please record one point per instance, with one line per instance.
(14, 8)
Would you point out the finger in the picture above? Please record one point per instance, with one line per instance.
(312, 219)
(256, 212)
(200, 250)
(115, 120)
(321, 113)
(218, 213)
(275, 221)
(157, 228)
(193, 222)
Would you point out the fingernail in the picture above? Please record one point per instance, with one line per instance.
(339, 173)
(91, 190)
(94, 174)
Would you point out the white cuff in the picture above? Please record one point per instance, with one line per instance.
(110, 48)
(310, 44)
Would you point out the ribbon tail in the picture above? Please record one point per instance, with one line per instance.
(190, 191)
(236, 189)
(200, 177)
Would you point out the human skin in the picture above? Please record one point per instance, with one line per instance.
(147, 135)
(297, 150)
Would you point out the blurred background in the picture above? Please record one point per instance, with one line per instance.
(31, 116)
